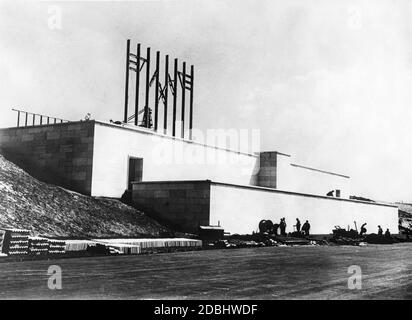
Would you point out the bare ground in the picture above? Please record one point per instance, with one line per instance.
(250, 273)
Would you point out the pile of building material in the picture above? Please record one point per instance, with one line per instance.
(18, 242)
(2, 233)
(57, 246)
(38, 245)
(101, 247)
(15, 241)
(131, 246)
(79, 245)
(148, 245)
(342, 236)
(124, 248)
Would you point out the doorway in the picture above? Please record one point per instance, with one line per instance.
(135, 171)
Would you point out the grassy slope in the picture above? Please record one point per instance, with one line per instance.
(53, 211)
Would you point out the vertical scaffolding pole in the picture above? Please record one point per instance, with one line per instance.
(34, 119)
(126, 91)
(146, 110)
(18, 118)
(192, 76)
(174, 100)
(165, 91)
(183, 100)
(157, 90)
(25, 120)
(136, 102)
(41, 119)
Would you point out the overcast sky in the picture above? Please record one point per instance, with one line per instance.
(329, 82)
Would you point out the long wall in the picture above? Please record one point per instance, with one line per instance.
(60, 154)
(240, 208)
(164, 159)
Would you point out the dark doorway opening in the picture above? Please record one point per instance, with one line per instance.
(135, 171)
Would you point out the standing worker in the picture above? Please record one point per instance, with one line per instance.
(387, 233)
(380, 231)
(363, 229)
(298, 225)
(306, 227)
(282, 226)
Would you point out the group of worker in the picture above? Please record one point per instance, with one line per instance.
(380, 231)
(305, 227)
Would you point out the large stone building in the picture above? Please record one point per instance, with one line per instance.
(187, 183)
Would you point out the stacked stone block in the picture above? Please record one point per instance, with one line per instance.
(182, 204)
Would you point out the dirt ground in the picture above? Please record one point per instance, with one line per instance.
(249, 273)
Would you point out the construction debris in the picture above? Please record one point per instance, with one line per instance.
(153, 245)
(57, 246)
(78, 245)
(15, 241)
(38, 245)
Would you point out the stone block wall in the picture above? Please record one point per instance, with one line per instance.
(184, 205)
(61, 154)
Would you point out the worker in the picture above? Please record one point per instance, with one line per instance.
(380, 231)
(363, 229)
(306, 227)
(297, 225)
(282, 226)
(387, 233)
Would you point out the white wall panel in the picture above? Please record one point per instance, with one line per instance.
(239, 210)
(164, 159)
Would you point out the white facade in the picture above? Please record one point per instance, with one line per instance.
(169, 159)
(164, 158)
(239, 209)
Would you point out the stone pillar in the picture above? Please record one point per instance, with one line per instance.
(266, 176)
